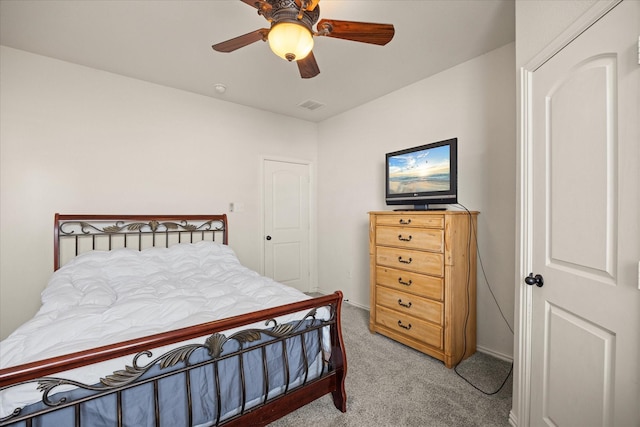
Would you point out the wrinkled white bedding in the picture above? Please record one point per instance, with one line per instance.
(100, 298)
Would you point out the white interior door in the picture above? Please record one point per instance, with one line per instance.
(585, 328)
(287, 223)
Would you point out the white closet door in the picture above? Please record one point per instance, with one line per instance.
(586, 317)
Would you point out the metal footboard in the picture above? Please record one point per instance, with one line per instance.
(215, 354)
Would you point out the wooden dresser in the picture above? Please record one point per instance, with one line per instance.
(423, 281)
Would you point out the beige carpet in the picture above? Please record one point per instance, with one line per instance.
(389, 384)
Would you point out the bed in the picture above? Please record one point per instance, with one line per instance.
(153, 321)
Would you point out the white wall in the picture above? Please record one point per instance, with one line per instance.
(79, 140)
(475, 102)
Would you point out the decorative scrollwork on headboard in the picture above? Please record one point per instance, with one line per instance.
(108, 232)
(71, 227)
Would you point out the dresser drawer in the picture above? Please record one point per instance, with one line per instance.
(406, 281)
(429, 239)
(411, 220)
(405, 259)
(410, 326)
(413, 305)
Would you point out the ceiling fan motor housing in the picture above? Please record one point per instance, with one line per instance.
(291, 33)
(289, 11)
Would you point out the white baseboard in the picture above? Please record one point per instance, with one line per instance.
(502, 356)
(364, 307)
(345, 300)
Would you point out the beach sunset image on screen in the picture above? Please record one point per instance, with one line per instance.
(420, 171)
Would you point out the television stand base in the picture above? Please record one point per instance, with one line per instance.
(421, 208)
(417, 210)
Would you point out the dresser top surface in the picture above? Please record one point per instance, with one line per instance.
(418, 212)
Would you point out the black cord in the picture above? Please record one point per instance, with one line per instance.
(466, 319)
(484, 274)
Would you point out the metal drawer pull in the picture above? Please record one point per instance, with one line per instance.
(404, 261)
(403, 326)
(407, 305)
(403, 282)
(404, 239)
(403, 222)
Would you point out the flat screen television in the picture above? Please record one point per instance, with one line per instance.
(423, 176)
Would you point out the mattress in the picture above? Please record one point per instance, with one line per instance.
(100, 298)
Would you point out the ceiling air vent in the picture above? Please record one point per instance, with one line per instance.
(311, 105)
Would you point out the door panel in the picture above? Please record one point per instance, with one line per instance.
(582, 200)
(586, 317)
(286, 262)
(581, 353)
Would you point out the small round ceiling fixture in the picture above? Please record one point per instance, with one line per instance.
(220, 88)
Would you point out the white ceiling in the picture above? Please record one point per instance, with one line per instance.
(168, 42)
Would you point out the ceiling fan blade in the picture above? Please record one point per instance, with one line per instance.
(364, 32)
(308, 66)
(241, 41)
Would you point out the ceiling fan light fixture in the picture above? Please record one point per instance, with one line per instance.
(290, 40)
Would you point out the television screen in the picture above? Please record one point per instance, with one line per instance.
(423, 175)
(420, 171)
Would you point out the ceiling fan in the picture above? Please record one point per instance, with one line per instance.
(291, 33)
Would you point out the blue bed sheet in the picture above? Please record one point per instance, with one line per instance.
(138, 406)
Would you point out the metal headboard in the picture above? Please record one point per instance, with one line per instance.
(76, 234)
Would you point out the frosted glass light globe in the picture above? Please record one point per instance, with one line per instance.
(290, 41)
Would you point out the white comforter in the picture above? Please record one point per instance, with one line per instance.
(101, 298)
